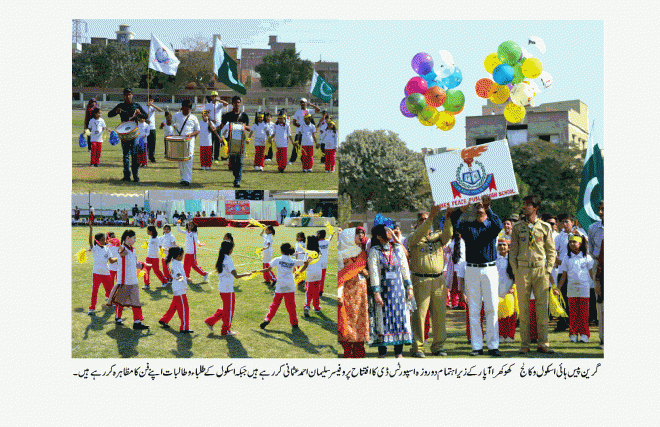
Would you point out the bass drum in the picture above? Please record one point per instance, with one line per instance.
(177, 148)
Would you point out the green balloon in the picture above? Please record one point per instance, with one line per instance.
(509, 52)
(427, 114)
(454, 101)
(415, 103)
(518, 74)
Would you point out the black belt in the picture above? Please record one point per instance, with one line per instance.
(488, 264)
(427, 275)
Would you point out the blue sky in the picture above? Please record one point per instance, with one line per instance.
(375, 67)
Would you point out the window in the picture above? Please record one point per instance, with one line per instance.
(479, 141)
(516, 136)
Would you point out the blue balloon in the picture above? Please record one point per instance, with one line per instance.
(82, 141)
(503, 74)
(454, 79)
(114, 138)
(430, 76)
(142, 143)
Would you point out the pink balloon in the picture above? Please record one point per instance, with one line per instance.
(416, 85)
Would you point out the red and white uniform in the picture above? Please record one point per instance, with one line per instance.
(190, 258)
(577, 267)
(314, 276)
(285, 288)
(127, 276)
(507, 324)
(282, 134)
(153, 258)
(143, 127)
(179, 302)
(205, 145)
(226, 290)
(266, 256)
(329, 139)
(96, 128)
(300, 253)
(100, 272)
(323, 246)
(307, 141)
(167, 129)
(114, 253)
(167, 241)
(261, 131)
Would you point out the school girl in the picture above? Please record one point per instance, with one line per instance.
(329, 141)
(96, 127)
(167, 241)
(576, 270)
(261, 132)
(285, 286)
(206, 142)
(308, 140)
(100, 273)
(282, 140)
(143, 128)
(179, 302)
(226, 275)
(153, 257)
(300, 245)
(267, 253)
(505, 274)
(190, 260)
(126, 292)
(323, 246)
(167, 125)
(314, 275)
(113, 244)
(270, 140)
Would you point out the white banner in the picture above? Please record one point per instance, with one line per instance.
(161, 58)
(460, 177)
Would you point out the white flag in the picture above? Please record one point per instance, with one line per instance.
(161, 58)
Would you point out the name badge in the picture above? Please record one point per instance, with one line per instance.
(390, 275)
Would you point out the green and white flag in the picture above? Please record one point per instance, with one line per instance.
(226, 69)
(320, 88)
(592, 188)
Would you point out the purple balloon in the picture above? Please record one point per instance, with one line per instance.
(404, 109)
(422, 63)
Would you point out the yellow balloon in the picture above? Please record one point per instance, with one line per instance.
(424, 121)
(532, 68)
(514, 113)
(491, 62)
(145, 245)
(500, 95)
(445, 121)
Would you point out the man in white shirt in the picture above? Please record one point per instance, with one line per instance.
(297, 120)
(151, 121)
(215, 108)
(186, 123)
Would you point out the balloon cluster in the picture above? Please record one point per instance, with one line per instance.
(512, 69)
(430, 90)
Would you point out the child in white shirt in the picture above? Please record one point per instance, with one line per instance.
(308, 140)
(507, 325)
(153, 258)
(282, 139)
(329, 140)
(143, 128)
(167, 125)
(226, 275)
(205, 141)
(267, 253)
(261, 132)
(285, 287)
(100, 272)
(576, 269)
(167, 241)
(96, 127)
(323, 246)
(179, 302)
(314, 275)
(190, 260)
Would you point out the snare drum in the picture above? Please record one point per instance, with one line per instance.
(127, 131)
(177, 148)
(236, 138)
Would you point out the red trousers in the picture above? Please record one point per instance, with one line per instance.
(113, 275)
(95, 152)
(533, 328)
(268, 275)
(353, 350)
(281, 158)
(180, 305)
(142, 157)
(226, 313)
(508, 326)
(259, 156)
(312, 294)
(307, 156)
(189, 261)
(97, 280)
(155, 265)
(330, 159)
(166, 271)
(137, 312)
(205, 156)
(467, 321)
(289, 303)
(578, 316)
(322, 280)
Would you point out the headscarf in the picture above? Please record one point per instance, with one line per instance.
(347, 247)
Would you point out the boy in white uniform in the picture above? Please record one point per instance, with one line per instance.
(96, 126)
(323, 246)
(282, 139)
(308, 140)
(205, 142)
(185, 123)
(261, 132)
(215, 108)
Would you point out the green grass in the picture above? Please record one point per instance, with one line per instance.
(165, 174)
(97, 336)
(457, 345)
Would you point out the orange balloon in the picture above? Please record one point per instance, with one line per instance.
(454, 113)
(435, 96)
(483, 88)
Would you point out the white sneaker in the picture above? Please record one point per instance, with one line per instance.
(230, 333)
(268, 160)
(289, 163)
(508, 339)
(256, 168)
(90, 311)
(206, 278)
(261, 168)
(584, 338)
(572, 338)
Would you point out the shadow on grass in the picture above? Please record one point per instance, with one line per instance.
(296, 337)
(329, 301)
(323, 321)
(127, 339)
(98, 322)
(183, 344)
(235, 348)
(157, 293)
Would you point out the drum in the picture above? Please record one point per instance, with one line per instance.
(127, 131)
(236, 138)
(177, 148)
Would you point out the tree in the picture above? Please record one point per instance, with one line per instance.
(284, 69)
(345, 210)
(507, 206)
(379, 172)
(196, 63)
(552, 172)
(111, 65)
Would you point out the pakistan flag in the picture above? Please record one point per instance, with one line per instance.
(226, 69)
(592, 186)
(320, 88)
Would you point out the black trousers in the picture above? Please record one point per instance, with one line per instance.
(398, 349)
(217, 143)
(151, 145)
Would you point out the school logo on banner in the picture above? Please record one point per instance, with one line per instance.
(471, 176)
(237, 207)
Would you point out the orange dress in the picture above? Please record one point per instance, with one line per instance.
(353, 319)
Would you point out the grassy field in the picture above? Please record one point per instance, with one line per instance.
(165, 174)
(97, 336)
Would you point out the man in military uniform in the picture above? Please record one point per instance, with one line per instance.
(426, 264)
(532, 256)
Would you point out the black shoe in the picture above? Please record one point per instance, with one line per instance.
(439, 353)
(306, 311)
(126, 179)
(224, 158)
(118, 321)
(477, 352)
(418, 354)
(186, 331)
(165, 325)
(559, 329)
(534, 341)
(320, 294)
(237, 185)
(185, 183)
(139, 326)
(494, 352)
(264, 324)
(295, 326)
